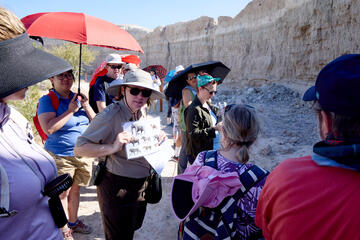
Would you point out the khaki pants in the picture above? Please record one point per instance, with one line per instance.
(79, 168)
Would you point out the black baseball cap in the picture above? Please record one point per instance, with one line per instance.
(337, 87)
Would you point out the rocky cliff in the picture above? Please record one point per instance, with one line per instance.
(286, 41)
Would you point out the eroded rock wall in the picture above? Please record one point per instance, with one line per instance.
(286, 41)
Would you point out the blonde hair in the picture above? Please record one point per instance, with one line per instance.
(240, 128)
(10, 25)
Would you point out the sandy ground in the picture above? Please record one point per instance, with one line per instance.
(288, 129)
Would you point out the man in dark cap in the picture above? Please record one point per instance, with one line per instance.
(317, 197)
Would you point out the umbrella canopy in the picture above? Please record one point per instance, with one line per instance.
(170, 75)
(160, 70)
(215, 68)
(80, 28)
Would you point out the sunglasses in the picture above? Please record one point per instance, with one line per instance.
(144, 92)
(115, 66)
(211, 92)
(191, 78)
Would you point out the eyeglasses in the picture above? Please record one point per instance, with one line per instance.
(144, 92)
(191, 78)
(115, 66)
(211, 92)
(64, 75)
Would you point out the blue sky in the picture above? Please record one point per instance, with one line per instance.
(149, 14)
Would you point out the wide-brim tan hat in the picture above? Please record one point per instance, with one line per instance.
(137, 77)
(22, 65)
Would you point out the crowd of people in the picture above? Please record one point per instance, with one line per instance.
(311, 197)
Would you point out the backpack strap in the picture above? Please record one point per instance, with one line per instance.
(5, 195)
(249, 178)
(106, 85)
(210, 159)
(55, 102)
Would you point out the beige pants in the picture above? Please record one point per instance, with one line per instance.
(79, 168)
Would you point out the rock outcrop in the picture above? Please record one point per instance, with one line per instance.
(286, 41)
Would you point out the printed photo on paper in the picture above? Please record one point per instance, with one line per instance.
(145, 137)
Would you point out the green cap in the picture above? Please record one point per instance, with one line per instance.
(205, 79)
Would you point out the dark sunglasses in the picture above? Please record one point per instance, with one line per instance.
(115, 66)
(191, 78)
(211, 92)
(144, 92)
(228, 107)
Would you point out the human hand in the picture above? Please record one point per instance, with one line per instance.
(73, 105)
(162, 136)
(121, 139)
(218, 126)
(84, 101)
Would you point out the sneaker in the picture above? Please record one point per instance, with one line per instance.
(80, 227)
(67, 233)
(171, 124)
(176, 158)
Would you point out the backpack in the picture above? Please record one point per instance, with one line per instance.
(55, 103)
(217, 223)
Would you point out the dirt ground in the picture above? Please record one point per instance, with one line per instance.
(288, 129)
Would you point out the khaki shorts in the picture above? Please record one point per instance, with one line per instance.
(79, 168)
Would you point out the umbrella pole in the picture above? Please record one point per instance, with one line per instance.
(79, 68)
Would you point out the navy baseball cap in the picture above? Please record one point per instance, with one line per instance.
(337, 87)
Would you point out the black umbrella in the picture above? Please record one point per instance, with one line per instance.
(215, 68)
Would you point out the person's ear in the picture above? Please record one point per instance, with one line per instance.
(52, 80)
(325, 124)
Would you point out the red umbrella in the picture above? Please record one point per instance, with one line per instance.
(80, 28)
(160, 70)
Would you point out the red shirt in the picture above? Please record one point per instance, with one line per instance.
(302, 200)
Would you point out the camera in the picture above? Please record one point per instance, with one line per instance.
(53, 189)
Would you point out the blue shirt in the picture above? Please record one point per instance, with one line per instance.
(62, 141)
(99, 90)
(216, 140)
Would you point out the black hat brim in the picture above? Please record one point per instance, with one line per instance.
(23, 65)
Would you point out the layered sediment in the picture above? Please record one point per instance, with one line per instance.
(283, 41)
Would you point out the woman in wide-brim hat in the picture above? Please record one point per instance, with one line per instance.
(25, 168)
(121, 191)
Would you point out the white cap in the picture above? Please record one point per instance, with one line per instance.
(114, 58)
(179, 68)
(130, 66)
